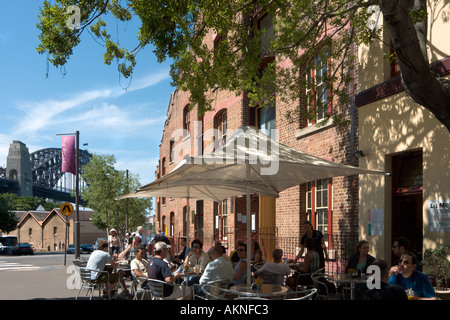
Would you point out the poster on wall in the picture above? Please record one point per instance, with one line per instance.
(376, 222)
(439, 215)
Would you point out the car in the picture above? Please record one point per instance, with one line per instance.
(23, 248)
(87, 247)
(71, 249)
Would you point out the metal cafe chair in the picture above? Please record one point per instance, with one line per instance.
(91, 285)
(213, 292)
(308, 294)
(251, 298)
(137, 289)
(157, 289)
(222, 283)
(322, 289)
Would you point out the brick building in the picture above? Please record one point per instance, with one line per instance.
(330, 204)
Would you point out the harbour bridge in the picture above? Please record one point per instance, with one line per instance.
(39, 173)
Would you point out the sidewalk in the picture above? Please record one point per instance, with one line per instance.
(47, 283)
(50, 283)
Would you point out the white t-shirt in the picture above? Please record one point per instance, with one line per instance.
(217, 270)
(97, 261)
(141, 266)
(280, 269)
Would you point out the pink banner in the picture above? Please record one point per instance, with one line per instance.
(68, 154)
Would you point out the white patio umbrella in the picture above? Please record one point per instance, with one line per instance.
(249, 163)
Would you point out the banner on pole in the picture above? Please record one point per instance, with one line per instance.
(68, 154)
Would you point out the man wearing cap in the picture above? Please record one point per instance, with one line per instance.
(159, 270)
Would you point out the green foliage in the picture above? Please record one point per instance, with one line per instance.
(104, 185)
(303, 30)
(16, 203)
(435, 262)
(8, 220)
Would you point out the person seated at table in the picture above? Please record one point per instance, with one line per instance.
(123, 273)
(311, 263)
(181, 256)
(386, 291)
(139, 266)
(234, 257)
(217, 269)
(361, 259)
(135, 244)
(159, 270)
(274, 271)
(197, 258)
(97, 261)
(406, 275)
(240, 271)
(257, 255)
(216, 244)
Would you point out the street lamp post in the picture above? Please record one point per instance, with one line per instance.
(77, 192)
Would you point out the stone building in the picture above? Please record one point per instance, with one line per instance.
(45, 230)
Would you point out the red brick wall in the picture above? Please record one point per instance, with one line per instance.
(330, 143)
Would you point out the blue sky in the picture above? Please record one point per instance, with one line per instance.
(89, 96)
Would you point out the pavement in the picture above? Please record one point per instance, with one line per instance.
(54, 282)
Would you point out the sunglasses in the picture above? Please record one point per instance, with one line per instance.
(240, 249)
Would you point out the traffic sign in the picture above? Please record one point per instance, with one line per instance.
(66, 209)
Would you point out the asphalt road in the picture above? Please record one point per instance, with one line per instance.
(40, 276)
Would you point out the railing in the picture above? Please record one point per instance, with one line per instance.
(339, 246)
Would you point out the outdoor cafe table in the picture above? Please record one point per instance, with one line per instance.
(346, 278)
(264, 290)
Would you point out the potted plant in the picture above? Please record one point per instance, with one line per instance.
(436, 263)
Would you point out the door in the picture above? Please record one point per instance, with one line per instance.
(407, 199)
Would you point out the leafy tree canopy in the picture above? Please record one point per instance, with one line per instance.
(8, 221)
(246, 55)
(104, 185)
(16, 203)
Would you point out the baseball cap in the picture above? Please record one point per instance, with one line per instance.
(161, 245)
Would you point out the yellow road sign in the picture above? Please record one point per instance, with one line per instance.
(66, 209)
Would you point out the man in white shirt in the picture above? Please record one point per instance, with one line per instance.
(139, 266)
(276, 270)
(97, 261)
(218, 269)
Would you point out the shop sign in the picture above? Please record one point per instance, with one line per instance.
(439, 215)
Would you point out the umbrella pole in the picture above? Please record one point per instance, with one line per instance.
(187, 217)
(249, 243)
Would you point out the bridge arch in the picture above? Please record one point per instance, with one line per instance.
(47, 163)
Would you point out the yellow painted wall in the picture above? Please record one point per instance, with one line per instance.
(397, 124)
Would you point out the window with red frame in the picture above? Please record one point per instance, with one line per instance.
(319, 204)
(318, 104)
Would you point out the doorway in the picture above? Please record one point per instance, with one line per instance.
(407, 199)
